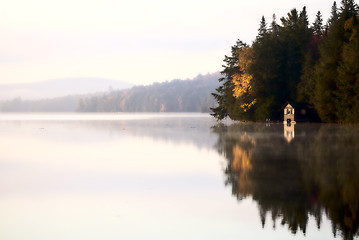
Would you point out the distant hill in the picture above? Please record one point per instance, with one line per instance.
(58, 88)
(191, 95)
(60, 104)
(174, 96)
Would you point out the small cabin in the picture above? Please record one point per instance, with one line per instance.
(294, 112)
(288, 114)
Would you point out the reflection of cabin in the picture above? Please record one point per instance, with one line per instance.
(299, 112)
(289, 132)
(288, 114)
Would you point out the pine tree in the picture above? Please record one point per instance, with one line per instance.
(318, 26)
(303, 34)
(274, 26)
(348, 9)
(262, 28)
(293, 61)
(333, 15)
(348, 76)
(307, 84)
(265, 69)
(224, 96)
(303, 18)
(326, 70)
(295, 37)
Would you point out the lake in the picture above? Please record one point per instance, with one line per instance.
(175, 176)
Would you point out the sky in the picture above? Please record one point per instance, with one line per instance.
(137, 41)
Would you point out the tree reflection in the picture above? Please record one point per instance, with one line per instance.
(314, 173)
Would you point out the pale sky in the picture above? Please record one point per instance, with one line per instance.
(137, 41)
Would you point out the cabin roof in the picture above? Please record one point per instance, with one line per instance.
(286, 104)
(299, 105)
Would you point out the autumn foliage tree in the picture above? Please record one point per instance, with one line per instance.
(235, 97)
(295, 61)
(242, 91)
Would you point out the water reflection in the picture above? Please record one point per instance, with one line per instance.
(177, 128)
(289, 131)
(105, 179)
(291, 179)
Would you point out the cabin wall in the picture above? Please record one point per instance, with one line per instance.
(289, 115)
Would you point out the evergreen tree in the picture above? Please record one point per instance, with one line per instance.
(278, 55)
(293, 61)
(303, 19)
(334, 15)
(274, 26)
(262, 27)
(295, 37)
(348, 77)
(326, 70)
(224, 95)
(348, 9)
(220, 112)
(307, 84)
(318, 26)
(265, 69)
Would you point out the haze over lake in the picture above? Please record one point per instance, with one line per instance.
(175, 176)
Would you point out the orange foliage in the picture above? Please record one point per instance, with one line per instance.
(242, 163)
(243, 166)
(242, 80)
(241, 160)
(246, 106)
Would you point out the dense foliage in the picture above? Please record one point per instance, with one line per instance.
(294, 61)
(175, 96)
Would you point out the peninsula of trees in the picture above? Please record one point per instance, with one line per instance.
(316, 63)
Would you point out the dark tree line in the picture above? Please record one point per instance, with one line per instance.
(295, 61)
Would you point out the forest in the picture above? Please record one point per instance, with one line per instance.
(175, 96)
(191, 95)
(316, 64)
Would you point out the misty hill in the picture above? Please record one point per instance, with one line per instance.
(175, 96)
(60, 104)
(58, 88)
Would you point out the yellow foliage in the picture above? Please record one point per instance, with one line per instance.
(242, 84)
(242, 165)
(241, 160)
(247, 106)
(242, 80)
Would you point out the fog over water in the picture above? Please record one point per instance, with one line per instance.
(175, 176)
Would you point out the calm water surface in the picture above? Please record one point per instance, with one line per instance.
(175, 176)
